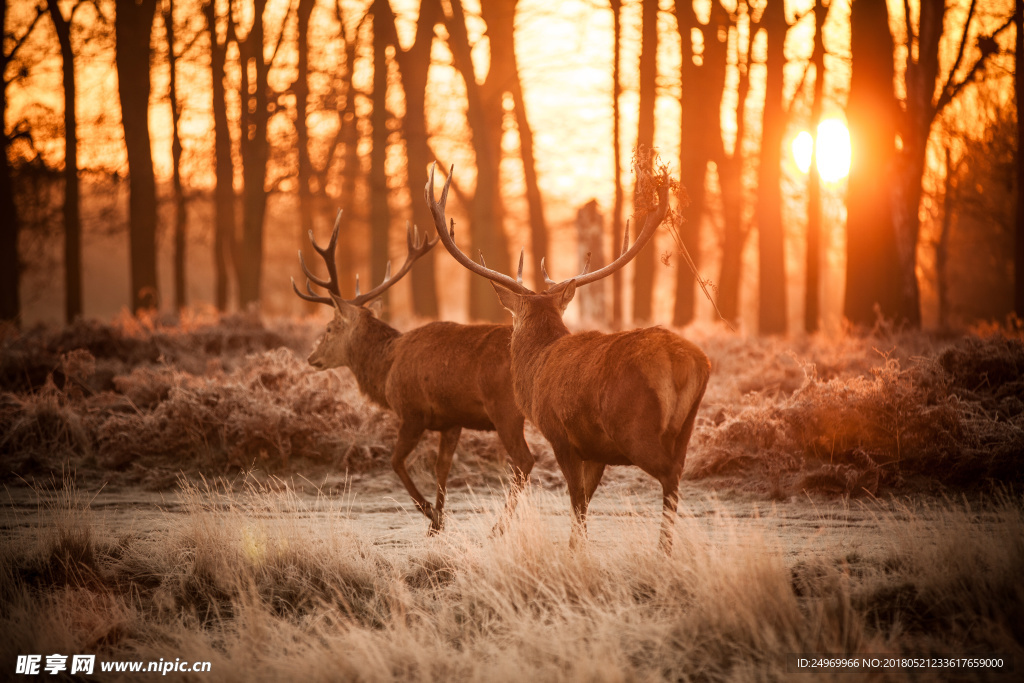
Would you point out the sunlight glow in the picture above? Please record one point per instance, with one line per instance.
(833, 150)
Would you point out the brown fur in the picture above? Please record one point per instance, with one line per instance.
(628, 398)
(441, 377)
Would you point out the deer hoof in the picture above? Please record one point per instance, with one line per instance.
(436, 520)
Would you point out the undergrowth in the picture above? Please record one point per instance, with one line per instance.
(139, 401)
(270, 585)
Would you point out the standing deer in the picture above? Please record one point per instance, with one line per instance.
(442, 376)
(627, 398)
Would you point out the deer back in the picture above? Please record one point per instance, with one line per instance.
(452, 374)
(597, 392)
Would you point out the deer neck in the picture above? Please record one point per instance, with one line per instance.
(371, 354)
(531, 341)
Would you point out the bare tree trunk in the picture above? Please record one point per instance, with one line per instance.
(10, 265)
(224, 192)
(942, 248)
(617, 228)
(872, 264)
(730, 175)
(347, 140)
(643, 264)
(133, 25)
(301, 89)
(770, 238)
(813, 257)
(700, 126)
(72, 218)
(255, 150)
(486, 228)
(180, 208)
(380, 213)
(1018, 80)
(414, 65)
(503, 77)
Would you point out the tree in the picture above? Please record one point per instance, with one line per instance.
(771, 253)
(872, 266)
(255, 149)
(224, 243)
(133, 24)
(1018, 79)
(72, 218)
(731, 168)
(813, 257)
(10, 264)
(898, 172)
(414, 65)
(180, 208)
(380, 213)
(503, 78)
(643, 278)
(616, 157)
(699, 127)
(486, 212)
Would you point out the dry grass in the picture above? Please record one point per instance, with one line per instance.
(252, 582)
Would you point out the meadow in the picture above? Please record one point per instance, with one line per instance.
(194, 490)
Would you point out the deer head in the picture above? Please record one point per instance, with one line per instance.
(352, 317)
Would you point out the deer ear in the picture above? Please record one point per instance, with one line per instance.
(507, 297)
(562, 294)
(343, 310)
(376, 308)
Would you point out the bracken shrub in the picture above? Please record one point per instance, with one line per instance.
(953, 416)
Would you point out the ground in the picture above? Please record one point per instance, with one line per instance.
(202, 495)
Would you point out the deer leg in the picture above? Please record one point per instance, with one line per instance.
(408, 436)
(511, 436)
(445, 452)
(592, 473)
(670, 502)
(572, 469)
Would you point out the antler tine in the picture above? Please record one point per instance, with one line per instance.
(327, 254)
(586, 265)
(519, 273)
(544, 272)
(447, 236)
(625, 239)
(326, 284)
(416, 249)
(311, 296)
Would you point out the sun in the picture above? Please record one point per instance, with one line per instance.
(833, 150)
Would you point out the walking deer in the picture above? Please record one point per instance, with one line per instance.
(626, 398)
(441, 376)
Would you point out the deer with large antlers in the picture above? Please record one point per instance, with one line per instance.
(626, 398)
(441, 376)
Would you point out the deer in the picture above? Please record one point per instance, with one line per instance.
(442, 376)
(621, 398)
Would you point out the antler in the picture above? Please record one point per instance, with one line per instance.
(447, 237)
(417, 246)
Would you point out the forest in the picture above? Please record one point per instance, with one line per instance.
(239, 127)
(819, 320)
